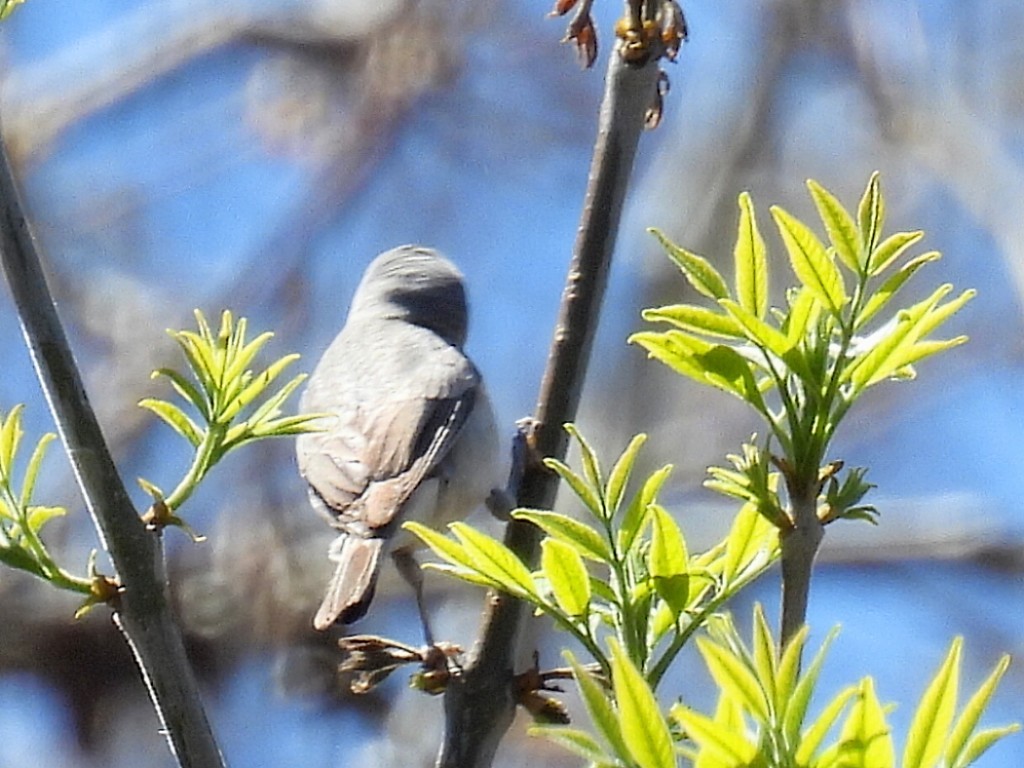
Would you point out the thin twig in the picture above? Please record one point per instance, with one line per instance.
(143, 612)
(480, 707)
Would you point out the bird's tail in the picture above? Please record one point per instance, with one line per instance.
(350, 589)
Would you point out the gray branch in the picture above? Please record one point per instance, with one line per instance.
(480, 706)
(143, 612)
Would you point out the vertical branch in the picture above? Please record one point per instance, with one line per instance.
(799, 548)
(142, 610)
(480, 705)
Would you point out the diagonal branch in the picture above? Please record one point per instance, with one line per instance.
(142, 610)
(480, 705)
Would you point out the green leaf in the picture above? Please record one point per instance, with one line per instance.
(494, 559)
(256, 386)
(884, 293)
(696, 319)
(811, 262)
(242, 354)
(765, 659)
(698, 271)
(865, 741)
(803, 314)
(175, 418)
(10, 437)
(814, 735)
(668, 561)
(721, 741)
(871, 218)
(889, 355)
(576, 741)
(924, 349)
(761, 333)
(584, 492)
(750, 535)
(471, 576)
(442, 546)
(7, 7)
(708, 364)
(619, 476)
(186, 390)
(644, 730)
(568, 577)
(591, 464)
(972, 713)
(981, 742)
(735, 678)
(586, 540)
(794, 696)
(599, 707)
(38, 516)
(751, 261)
(934, 714)
(200, 357)
(28, 485)
(637, 512)
(839, 224)
(891, 249)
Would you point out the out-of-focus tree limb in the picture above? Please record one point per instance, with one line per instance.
(143, 610)
(479, 706)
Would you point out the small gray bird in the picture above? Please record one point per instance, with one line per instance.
(411, 433)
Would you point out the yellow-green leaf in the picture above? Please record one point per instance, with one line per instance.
(751, 262)
(871, 216)
(721, 740)
(810, 261)
(816, 733)
(599, 707)
(793, 695)
(972, 712)
(934, 714)
(839, 224)
(587, 541)
(568, 577)
(492, 558)
(697, 270)
(644, 729)
(636, 515)
(696, 319)
(668, 560)
(865, 741)
(882, 295)
(891, 249)
(981, 742)
(619, 476)
(765, 658)
(576, 482)
(760, 332)
(175, 418)
(735, 678)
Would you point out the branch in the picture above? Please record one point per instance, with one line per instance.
(800, 546)
(142, 610)
(480, 706)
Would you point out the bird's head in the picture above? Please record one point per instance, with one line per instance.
(416, 285)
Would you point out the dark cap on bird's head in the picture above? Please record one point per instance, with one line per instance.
(417, 285)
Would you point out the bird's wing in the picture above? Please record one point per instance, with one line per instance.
(379, 448)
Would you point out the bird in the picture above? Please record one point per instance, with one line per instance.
(407, 429)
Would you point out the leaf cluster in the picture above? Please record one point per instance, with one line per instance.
(22, 521)
(761, 717)
(623, 572)
(234, 403)
(802, 366)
